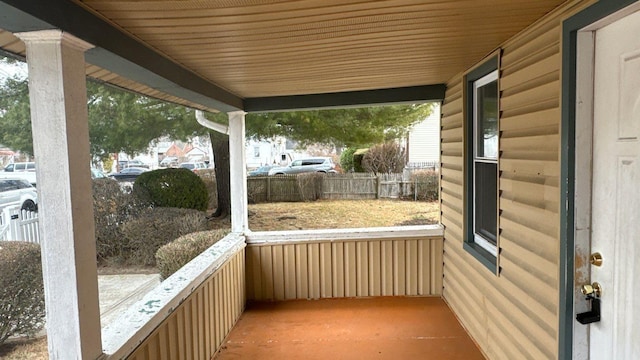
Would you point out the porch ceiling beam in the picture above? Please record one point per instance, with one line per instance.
(407, 95)
(115, 50)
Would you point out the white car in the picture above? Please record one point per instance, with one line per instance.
(18, 192)
(194, 166)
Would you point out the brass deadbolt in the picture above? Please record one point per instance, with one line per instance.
(589, 289)
(595, 259)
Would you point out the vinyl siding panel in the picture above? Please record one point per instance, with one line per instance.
(345, 268)
(424, 139)
(512, 314)
(198, 326)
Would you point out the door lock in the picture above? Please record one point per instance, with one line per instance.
(592, 292)
(591, 289)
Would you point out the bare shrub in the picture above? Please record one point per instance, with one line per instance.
(22, 308)
(426, 184)
(112, 208)
(157, 227)
(174, 255)
(385, 158)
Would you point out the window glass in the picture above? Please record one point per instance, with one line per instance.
(483, 166)
(487, 120)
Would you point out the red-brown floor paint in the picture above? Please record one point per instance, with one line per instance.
(370, 328)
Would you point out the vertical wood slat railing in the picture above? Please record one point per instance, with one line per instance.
(345, 263)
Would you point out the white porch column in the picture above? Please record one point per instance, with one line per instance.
(238, 169)
(57, 91)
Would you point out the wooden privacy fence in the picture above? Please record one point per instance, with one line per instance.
(19, 225)
(354, 186)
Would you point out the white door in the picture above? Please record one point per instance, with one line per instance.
(616, 189)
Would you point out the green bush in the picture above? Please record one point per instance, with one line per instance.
(426, 184)
(180, 188)
(174, 255)
(346, 160)
(22, 309)
(111, 209)
(156, 227)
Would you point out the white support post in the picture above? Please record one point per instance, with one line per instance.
(57, 91)
(238, 169)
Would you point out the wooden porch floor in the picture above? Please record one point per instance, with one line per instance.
(372, 328)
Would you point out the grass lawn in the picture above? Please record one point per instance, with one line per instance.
(326, 214)
(335, 214)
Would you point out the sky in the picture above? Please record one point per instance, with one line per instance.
(6, 70)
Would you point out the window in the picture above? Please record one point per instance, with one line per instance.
(481, 187)
(256, 151)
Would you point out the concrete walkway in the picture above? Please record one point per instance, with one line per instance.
(118, 292)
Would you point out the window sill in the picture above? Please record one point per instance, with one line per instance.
(486, 258)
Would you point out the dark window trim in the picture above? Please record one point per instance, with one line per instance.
(486, 258)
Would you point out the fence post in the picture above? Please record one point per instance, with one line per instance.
(378, 186)
(268, 188)
(14, 224)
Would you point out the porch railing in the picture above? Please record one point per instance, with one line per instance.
(189, 315)
(395, 261)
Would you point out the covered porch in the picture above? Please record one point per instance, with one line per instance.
(257, 56)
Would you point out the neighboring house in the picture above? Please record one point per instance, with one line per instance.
(196, 154)
(423, 142)
(276, 151)
(539, 163)
(174, 150)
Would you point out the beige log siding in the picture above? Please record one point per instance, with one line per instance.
(513, 315)
(196, 329)
(353, 268)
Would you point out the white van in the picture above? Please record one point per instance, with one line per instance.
(20, 166)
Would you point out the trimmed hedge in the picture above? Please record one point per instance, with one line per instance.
(174, 255)
(180, 188)
(156, 227)
(22, 309)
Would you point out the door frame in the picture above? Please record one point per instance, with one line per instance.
(576, 172)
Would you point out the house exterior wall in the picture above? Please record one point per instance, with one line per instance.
(424, 144)
(512, 314)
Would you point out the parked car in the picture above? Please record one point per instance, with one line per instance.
(16, 191)
(194, 166)
(262, 170)
(132, 163)
(128, 174)
(97, 174)
(169, 161)
(20, 166)
(315, 164)
(20, 170)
